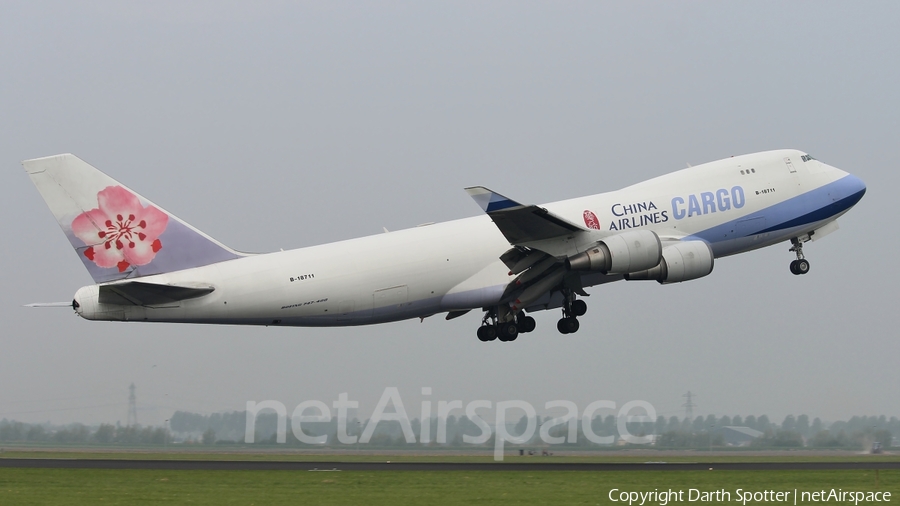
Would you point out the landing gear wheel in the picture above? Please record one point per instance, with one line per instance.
(526, 324)
(579, 307)
(799, 267)
(508, 332)
(487, 333)
(568, 325)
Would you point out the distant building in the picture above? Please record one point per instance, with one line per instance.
(739, 436)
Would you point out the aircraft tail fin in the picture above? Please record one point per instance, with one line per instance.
(117, 233)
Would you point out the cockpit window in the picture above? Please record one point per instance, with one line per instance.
(807, 158)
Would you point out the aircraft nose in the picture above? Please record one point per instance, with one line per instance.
(852, 189)
(857, 186)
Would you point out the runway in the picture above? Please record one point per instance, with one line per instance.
(237, 465)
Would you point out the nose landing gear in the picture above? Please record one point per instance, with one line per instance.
(801, 264)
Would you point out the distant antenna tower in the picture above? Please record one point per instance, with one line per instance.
(689, 406)
(132, 407)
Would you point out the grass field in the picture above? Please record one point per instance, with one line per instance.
(90, 486)
(81, 486)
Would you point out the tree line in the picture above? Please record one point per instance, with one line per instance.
(673, 432)
(76, 433)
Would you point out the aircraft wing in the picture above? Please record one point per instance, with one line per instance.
(139, 293)
(521, 223)
(541, 241)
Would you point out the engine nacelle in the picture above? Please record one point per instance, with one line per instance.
(681, 262)
(632, 251)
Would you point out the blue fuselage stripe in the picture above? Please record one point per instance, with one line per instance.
(811, 207)
(819, 214)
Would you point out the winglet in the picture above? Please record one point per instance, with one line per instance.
(490, 200)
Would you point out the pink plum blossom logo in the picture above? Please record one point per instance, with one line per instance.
(120, 232)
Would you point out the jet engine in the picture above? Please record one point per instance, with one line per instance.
(632, 251)
(683, 261)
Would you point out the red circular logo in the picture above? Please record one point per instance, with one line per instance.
(590, 220)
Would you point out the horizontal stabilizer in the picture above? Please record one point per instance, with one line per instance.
(138, 293)
(520, 223)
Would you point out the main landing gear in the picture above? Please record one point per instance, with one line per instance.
(492, 329)
(572, 309)
(801, 264)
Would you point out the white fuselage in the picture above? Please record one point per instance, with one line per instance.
(736, 205)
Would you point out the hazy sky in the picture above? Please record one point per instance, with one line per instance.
(285, 124)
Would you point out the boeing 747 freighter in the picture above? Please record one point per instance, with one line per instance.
(150, 266)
